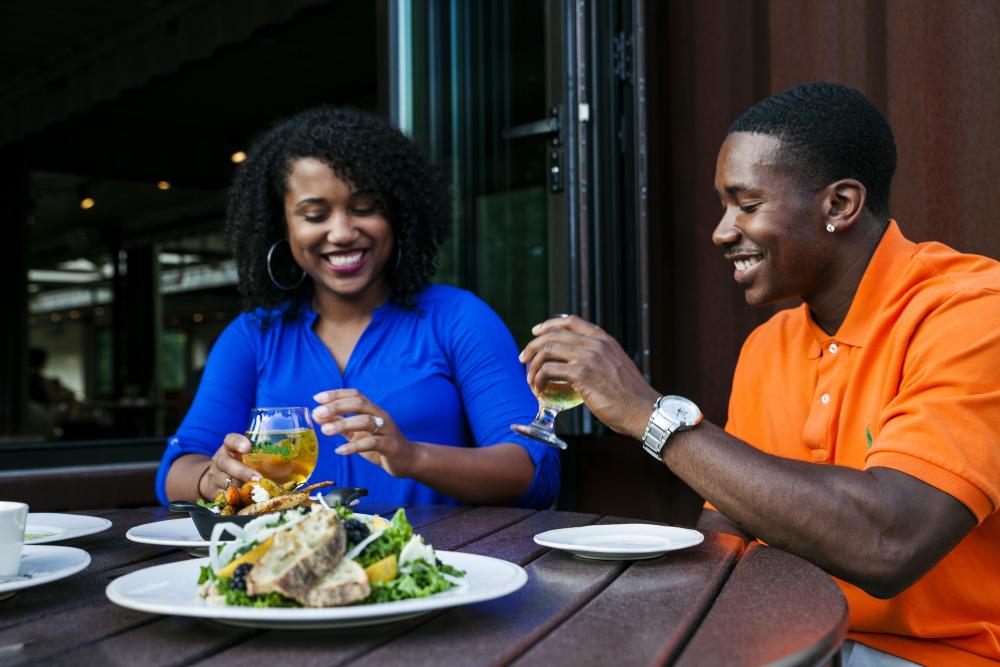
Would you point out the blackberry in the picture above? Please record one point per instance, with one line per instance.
(239, 580)
(356, 530)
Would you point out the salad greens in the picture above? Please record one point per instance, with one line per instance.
(415, 579)
(211, 506)
(390, 542)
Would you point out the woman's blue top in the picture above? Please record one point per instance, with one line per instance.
(446, 370)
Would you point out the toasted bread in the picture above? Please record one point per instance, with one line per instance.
(347, 583)
(300, 557)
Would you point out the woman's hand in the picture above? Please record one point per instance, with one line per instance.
(226, 466)
(576, 351)
(370, 431)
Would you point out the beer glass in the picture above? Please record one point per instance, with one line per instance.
(283, 444)
(554, 396)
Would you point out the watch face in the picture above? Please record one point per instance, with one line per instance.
(680, 410)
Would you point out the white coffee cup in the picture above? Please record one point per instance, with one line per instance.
(13, 517)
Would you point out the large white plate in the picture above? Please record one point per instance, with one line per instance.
(172, 589)
(42, 564)
(623, 541)
(46, 527)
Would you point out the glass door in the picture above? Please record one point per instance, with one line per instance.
(535, 111)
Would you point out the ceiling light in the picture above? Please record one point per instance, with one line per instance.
(74, 314)
(198, 317)
(163, 185)
(87, 203)
(238, 157)
(99, 311)
(55, 317)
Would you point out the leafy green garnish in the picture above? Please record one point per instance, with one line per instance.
(417, 579)
(390, 542)
(211, 506)
(343, 512)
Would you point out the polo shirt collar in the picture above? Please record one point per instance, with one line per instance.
(887, 263)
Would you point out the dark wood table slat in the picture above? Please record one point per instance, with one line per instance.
(742, 627)
(516, 543)
(647, 614)
(169, 641)
(496, 632)
(470, 526)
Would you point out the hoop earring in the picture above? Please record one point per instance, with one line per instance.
(830, 228)
(270, 273)
(399, 256)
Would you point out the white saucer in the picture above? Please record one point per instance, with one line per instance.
(170, 533)
(623, 541)
(44, 527)
(42, 564)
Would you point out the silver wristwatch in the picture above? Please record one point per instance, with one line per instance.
(670, 414)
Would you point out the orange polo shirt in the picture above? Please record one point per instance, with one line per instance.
(916, 364)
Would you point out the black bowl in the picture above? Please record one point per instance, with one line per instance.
(205, 519)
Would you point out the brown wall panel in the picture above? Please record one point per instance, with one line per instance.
(944, 105)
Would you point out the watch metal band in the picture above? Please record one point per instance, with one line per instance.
(657, 431)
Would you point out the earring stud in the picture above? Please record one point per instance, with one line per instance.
(830, 228)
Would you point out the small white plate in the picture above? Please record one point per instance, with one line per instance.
(42, 564)
(622, 541)
(182, 533)
(169, 533)
(44, 527)
(173, 589)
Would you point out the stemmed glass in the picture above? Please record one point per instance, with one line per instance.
(554, 396)
(283, 444)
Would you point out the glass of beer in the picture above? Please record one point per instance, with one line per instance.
(554, 396)
(283, 444)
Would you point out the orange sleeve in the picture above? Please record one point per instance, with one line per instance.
(943, 427)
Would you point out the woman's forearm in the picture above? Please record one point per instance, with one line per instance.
(498, 474)
(183, 477)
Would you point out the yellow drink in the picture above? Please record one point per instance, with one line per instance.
(283, 456)
(560, 395)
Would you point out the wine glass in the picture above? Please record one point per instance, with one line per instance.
(554, 396)
(283, 444)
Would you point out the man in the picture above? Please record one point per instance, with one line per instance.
(864, 425)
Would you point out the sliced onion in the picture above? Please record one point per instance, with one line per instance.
(360, 546)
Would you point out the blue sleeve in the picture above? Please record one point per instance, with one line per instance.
(494, 389)
(224, 399)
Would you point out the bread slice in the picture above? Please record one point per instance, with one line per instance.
(347, 583)
(300, 557)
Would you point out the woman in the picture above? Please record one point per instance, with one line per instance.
(335, 220)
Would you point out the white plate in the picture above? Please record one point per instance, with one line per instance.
(182, 533)
(173, 589)
(623, 541)
(42, 564)
(45, 527)
(169, 533)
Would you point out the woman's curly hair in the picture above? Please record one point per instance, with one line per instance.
(365, 151)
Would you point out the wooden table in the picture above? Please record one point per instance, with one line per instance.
(713, 604)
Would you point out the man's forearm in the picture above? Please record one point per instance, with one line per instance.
(836, 517)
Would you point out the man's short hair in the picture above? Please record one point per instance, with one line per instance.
(829, 132)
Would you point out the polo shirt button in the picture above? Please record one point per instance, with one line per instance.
(819, 455)
(833, 348)
(824, 399)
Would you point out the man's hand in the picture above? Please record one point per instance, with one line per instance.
(581, 353)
